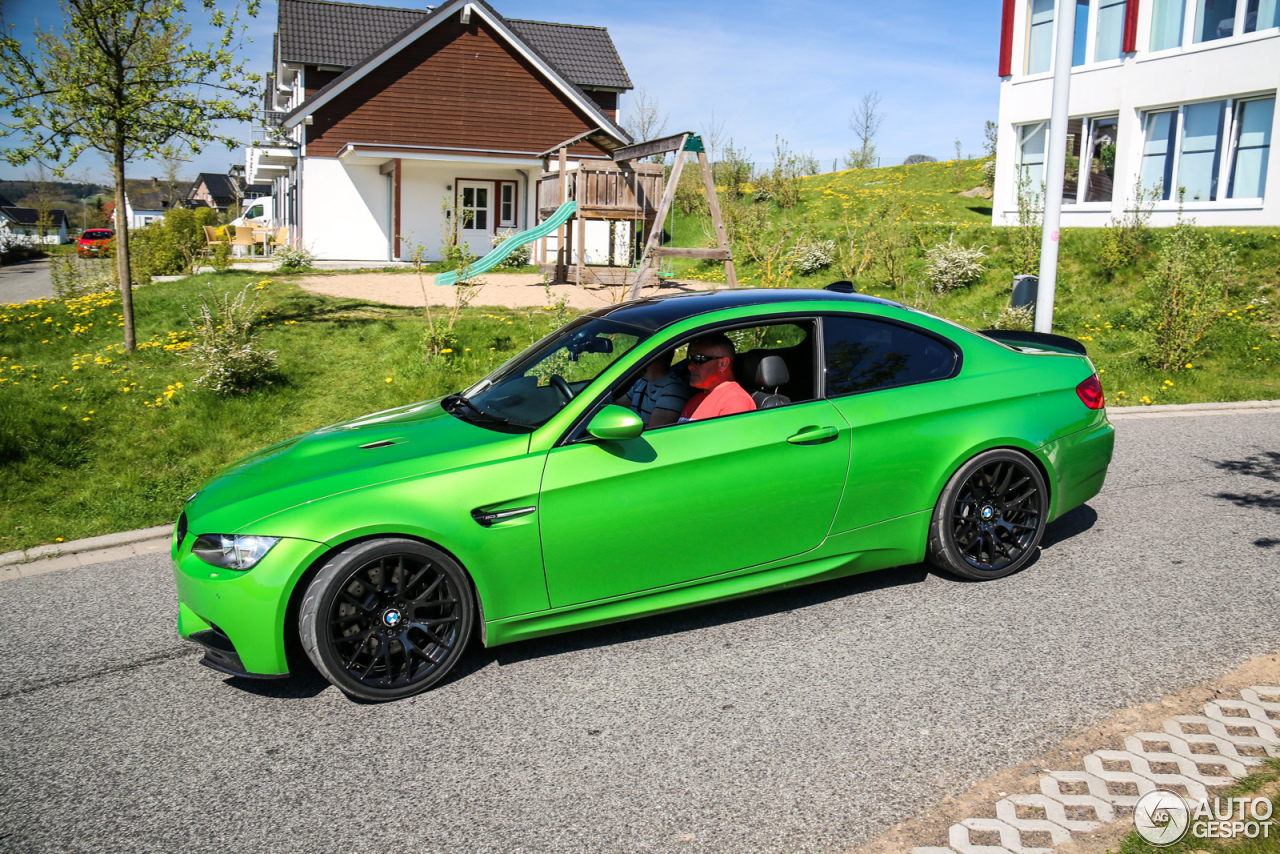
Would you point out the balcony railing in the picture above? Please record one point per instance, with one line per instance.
(270, 136)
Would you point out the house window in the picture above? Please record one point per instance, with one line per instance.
(1215, 19)
(1261, 15)
(1081, 46)
(1252, 144)
(1100, 168)
(1211, 20)
(1166, 23)
(1187, 150)
(1031, 146)
(1201, 151)
(507, 206)
(1040, 36)
(1108, 36)
(1158, 140)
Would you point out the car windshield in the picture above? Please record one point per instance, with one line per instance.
(527, 391)
(97, 235)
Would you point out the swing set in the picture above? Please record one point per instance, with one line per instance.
(622, 191)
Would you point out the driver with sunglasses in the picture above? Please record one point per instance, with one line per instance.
(711, 371)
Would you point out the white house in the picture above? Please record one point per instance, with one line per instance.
(414, 122)
(27, 221)
(1178, 94)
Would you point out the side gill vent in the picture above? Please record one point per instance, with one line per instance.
(385, 443)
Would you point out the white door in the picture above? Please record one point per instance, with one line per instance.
(475, 216)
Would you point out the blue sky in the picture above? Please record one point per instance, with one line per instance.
(794, 69)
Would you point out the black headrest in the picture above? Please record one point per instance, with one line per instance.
(772, 372)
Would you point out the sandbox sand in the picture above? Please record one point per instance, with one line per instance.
(507, 290)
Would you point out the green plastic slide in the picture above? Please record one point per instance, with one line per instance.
(520, 238)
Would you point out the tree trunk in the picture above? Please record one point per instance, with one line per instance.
(122, 253)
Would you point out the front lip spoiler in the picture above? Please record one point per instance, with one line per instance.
(220, 655)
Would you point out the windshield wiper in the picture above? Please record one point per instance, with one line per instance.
(460, 399)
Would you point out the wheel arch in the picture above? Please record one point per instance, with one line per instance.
(292, 641)
(1005, 444)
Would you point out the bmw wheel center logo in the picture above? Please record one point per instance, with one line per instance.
(391, 617)
(988, 512)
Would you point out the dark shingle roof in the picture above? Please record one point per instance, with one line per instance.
(584, 55)
(5, 203)
(319, 32)
(31, 216)
(316, 32)
(218, 185)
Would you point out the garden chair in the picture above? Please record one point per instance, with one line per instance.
(243, 238)
(281, 238)
(211, 239)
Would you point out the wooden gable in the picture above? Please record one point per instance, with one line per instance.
(458, 86)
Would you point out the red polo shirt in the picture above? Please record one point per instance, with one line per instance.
(727, 398)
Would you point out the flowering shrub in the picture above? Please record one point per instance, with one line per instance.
(519, 256)
(225, 344)
(11, 242)
(1021, 318)
(951, 266)
(810, 256)
(293, 258)
(74, 277)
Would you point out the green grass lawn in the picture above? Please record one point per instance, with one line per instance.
(94, 440)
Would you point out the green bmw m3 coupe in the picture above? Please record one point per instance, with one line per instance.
(831, 434)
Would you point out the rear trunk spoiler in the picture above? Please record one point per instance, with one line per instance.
(1039, 340)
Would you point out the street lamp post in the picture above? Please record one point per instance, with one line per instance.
(1064, 19)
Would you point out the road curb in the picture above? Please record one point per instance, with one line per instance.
(1176, 410)
(41, 559)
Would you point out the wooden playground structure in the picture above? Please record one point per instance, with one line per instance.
(628, 191)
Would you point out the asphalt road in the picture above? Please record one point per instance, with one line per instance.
(25, 280)
(809, 721)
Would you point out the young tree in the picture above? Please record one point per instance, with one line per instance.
(645, 120)
(865, 121)
(123, 77)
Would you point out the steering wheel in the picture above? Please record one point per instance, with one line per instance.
(559, 384)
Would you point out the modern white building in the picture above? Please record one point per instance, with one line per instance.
(1174, 94)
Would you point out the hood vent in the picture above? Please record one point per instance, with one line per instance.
(385, 443)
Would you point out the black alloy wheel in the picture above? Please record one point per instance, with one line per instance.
(387, 618)
(990, 517)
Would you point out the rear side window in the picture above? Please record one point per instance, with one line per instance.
(865, 354)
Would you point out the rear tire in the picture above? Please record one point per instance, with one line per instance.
(990, 517)
(387, 619)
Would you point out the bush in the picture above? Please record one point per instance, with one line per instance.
(951, 266)
(225, 344)
(989, 173)
(1021, 318)
(1189, 281)
(170, 246)
(73, 276)
(519, 256)
(810, 256)
(289, 258)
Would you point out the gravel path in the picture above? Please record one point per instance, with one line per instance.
(807, 721)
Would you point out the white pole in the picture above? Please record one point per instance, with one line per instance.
(1064, 19)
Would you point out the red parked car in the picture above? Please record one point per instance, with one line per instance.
(95, 241)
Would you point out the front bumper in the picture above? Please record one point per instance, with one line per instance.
(239, 617)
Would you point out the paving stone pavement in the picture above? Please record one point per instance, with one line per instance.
(1233, 736)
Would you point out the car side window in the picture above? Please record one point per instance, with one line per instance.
(864, 354)
(773, 363)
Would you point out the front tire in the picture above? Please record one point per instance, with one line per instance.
(990, 517)
(387, 619)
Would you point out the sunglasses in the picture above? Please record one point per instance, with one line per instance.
(702, 359)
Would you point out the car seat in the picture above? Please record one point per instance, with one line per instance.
(771, 375)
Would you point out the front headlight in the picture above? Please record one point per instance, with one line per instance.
(231, 551)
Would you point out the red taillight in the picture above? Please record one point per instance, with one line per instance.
(1090, 392)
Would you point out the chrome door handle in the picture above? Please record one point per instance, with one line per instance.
(814, 435)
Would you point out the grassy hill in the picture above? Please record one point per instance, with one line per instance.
(1112, 311)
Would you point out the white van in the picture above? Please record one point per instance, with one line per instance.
(257, 213)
